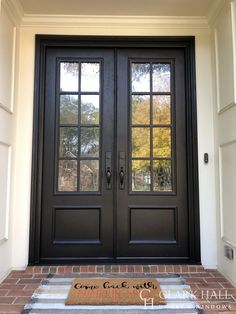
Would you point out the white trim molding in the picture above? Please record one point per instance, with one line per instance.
(13, 71)
(225, 103)
(6, 206)
(233, 18)
(121, 22)
(222, 210)
(8, 104)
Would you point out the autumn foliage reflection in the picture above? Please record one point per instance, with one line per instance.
(151, 136)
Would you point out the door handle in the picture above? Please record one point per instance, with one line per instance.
(108, 176)
(122, 177)
(108, 170)
(122, 163)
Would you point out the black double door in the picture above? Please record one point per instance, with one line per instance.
(114, 176)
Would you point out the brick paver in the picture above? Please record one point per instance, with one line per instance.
(213, 291)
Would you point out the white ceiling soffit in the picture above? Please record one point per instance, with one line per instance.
(119, 7)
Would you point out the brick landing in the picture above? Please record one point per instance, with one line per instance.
(209, 286)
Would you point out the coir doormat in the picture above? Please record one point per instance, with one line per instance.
(51, 296)
(115, 291)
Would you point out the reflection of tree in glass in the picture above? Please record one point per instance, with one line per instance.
(161, 77)
(161, 109)
(141, 142)
(89, 113)
(69, 76)
(67, 176)
(90, 142)
(69, 109)
(141, 175)
(89, 176)
(68, 142)
(162, 175)
(140, 109)
(71, 67)
(139, 69)
(161, 136)
(162, 142)
(140, 77)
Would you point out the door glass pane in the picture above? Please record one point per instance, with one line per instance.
(67, 175)
(69, 73)
(89, 175)
(68, 109)
(89, 142)
(161, 142)
(78, 125)
(90, 77)
(140, 77)
(90, 109)
(161, 77)
(151, 126)
(68, 142)
(141, 178)
(140, 109)
(140, 142)
(162, 175)
(161, 110)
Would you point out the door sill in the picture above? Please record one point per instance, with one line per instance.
(118, 261)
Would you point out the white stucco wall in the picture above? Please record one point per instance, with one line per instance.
(25, 88)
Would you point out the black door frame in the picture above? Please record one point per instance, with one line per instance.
(184, 42)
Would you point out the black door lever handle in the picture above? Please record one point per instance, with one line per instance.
(108, 176)
(122, 177)
(121, 170)
(108, 172)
